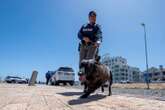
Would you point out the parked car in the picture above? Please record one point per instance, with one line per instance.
(63, 75)
(125, 81)
(15, 79)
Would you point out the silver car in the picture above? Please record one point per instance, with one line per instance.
(63, 75)
(15, 79)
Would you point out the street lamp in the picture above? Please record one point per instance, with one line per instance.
(146, 55)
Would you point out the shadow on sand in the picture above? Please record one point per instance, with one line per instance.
(71, 93)
(82, 100)
(86, 100)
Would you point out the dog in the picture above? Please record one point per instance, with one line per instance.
(95, 76)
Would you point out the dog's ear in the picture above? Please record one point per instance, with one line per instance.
(98, 58)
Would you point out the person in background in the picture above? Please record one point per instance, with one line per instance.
(48, 76)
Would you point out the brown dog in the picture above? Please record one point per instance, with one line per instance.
(96, 75)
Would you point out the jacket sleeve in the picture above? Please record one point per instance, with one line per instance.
(80, 36)
(99, 34)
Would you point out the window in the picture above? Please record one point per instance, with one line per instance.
(121, 69)
(116, 70)
(65, 69)
(163, 72)
(122, 74)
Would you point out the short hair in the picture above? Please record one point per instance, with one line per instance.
(92, 13)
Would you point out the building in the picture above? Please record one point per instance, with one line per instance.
(156, 74)
(121, 70)
(134, 74)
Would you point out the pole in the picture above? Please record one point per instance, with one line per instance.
(146, 54)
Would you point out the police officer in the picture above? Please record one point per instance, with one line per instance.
(90, 35)
(47, 76)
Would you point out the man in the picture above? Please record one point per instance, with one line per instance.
(90, 35)
(48, 76)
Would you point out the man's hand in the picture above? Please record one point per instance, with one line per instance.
(86, 39)
(96, 44)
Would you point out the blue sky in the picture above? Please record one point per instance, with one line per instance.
(42, 34)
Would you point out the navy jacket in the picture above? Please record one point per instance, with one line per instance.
(48, 75)
(93, 32)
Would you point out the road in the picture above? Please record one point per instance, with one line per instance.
(41, 97)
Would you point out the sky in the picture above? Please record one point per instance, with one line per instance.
(42, 34)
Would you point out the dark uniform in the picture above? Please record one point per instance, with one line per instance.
(94, 33)
(48, 76)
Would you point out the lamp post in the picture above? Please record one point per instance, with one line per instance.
(146, 55)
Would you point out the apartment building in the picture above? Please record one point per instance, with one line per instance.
(121, 70)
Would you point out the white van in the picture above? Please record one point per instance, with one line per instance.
(63, 75)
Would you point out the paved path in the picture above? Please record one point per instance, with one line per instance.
(40, 97)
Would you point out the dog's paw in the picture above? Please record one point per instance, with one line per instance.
(84, 96)
(85, 91)
(109, 94)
